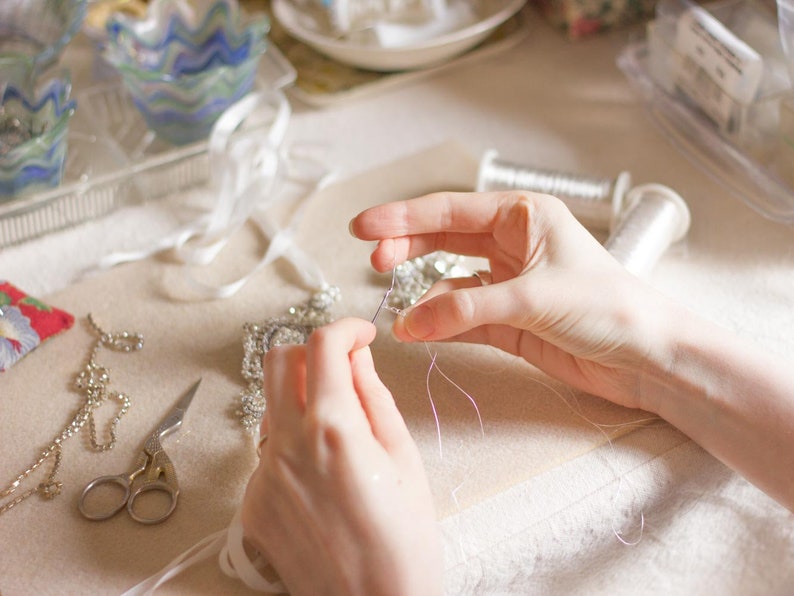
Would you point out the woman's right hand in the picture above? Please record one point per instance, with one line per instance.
(556, 297)
(340, 502)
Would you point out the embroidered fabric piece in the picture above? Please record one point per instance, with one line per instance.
(25, 322)
(414, 277)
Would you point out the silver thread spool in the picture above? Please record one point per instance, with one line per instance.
(655, 217)
(595, 202)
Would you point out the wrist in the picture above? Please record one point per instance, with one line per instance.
(677, 338)
(731, 397)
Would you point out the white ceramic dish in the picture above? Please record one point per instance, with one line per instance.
(303, 27)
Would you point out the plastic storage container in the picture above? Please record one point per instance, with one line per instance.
(718, 83)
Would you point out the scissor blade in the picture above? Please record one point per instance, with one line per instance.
(174, 418)
(183, 403)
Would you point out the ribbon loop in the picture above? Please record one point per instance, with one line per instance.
(248, 176)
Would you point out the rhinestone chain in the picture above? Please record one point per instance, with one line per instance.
(93, 382)
(414, 277)
(292, 328)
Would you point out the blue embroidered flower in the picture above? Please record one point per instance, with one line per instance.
(17, 337)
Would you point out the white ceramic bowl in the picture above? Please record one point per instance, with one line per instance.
(303, 27)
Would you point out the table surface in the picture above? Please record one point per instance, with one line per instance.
(691, 525)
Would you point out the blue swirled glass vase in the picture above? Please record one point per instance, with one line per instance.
(39, 30)
(184, 64)
(34, 122)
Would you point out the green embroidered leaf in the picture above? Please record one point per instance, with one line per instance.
(4, 299)
(37, 304)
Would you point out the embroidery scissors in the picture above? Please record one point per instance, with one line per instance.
(153, 463)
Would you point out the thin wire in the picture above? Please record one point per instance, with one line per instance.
(599, 427)
(383, 301)
(433, 404)
(459, 388)
(383, 306)
(656, 218)
(621, 480)
(619, 534)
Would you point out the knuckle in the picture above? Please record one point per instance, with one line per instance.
(528, 207)
(330, 338)
(319, 337)
(327, 432)
(461, 310)
(283, 355)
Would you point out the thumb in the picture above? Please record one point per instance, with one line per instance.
(388, 425)
(458, 311)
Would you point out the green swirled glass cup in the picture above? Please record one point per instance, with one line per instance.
(39, 30)
(184, 64)
(34, 122)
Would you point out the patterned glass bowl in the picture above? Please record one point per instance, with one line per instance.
(34, 121)
(39, 30)
(184, 64)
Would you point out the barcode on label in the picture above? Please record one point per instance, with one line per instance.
(697, 84)
(718, 71)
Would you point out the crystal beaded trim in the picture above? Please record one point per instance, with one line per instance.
(295, 327)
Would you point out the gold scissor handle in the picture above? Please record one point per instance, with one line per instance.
(153, 465)
(160, 476)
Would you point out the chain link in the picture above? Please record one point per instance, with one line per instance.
(93, 382)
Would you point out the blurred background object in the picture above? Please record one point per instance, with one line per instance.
(184, 63)
(583, 18)
(99, 11)
(39, 30)
(34, 121)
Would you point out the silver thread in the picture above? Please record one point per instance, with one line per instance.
(595, 202)
(655, 217)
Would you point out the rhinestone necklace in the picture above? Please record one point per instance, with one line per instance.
(93, 382)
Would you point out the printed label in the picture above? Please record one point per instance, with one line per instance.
(716, 69)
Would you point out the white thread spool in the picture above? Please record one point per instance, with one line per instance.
(655, 217)
(595, 202)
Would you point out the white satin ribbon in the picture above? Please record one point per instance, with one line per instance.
(247, 178)
(234, 561)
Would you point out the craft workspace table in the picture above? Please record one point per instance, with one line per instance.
(533, 504)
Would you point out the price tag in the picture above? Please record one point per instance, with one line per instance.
(716, 70)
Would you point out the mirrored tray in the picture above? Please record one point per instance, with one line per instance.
(114, 160)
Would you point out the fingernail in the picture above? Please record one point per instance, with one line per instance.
(420, 322)
(350, 227)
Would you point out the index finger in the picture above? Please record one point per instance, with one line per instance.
(437, 212)
(501, 226)
(329, 372)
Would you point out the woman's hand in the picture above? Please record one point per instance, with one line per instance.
(559, 300)
(340, 503)
(556, 297)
